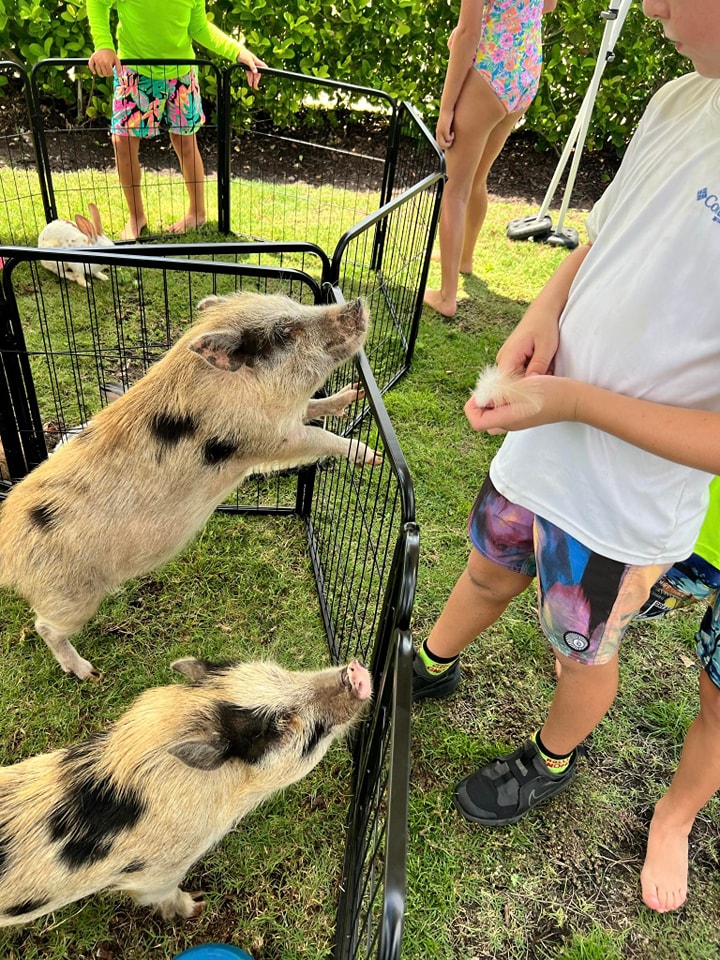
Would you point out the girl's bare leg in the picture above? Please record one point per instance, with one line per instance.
(664, 876)
(127, 159)
(478, 202)
(193, 171)
(477, 113)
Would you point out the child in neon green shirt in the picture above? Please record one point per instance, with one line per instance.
(150, 95)
(698, 577)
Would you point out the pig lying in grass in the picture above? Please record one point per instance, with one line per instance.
(134, 807)
(128, 492)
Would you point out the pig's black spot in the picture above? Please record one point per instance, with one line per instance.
(93, 810)
(318, 731)
(168, 429)
(216, 450)
(43, 516)
(26, 906)
(246, 734)
(134, 866)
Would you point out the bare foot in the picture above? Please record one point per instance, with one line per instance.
(558, 668)
(133, 229)
(434, 299)
(664, 876)
(188, 222)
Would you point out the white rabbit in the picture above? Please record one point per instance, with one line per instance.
(82, 233)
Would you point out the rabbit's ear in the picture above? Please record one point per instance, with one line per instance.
(95, 215)
(85, 227)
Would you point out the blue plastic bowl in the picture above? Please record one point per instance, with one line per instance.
(214, 951)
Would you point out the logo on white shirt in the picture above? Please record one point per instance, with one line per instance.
(711, 201)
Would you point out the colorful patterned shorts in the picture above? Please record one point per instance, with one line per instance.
(141, 104)
(509, 56)
(586, 601)
(692, 580)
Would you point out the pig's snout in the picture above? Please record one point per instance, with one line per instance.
(357, 679)
(352, 317)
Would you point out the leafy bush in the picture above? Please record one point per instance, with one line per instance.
(401, 50)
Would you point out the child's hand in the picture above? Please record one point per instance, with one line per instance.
(554, 399)
(252, 63)
(102, 62)
(532, 345)
(444, 133)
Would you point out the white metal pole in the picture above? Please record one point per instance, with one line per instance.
(540, 226)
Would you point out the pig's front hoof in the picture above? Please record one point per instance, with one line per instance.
(195, 904)
(181, 904)
(83, 670)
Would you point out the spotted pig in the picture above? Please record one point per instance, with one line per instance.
(130, 490)
(132, 808)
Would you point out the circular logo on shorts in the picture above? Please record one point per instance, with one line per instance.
(576, 641)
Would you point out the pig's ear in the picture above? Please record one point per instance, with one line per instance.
(201, 754)
(200, 670)
(226, 350)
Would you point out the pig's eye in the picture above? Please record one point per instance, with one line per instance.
(283, 336)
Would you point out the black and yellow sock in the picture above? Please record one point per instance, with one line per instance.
(554, 762)
(434, 665)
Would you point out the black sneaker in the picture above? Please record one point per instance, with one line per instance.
(507, 788)
(429, 687)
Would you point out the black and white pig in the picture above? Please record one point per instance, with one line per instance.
(134, 807)
(128, 492)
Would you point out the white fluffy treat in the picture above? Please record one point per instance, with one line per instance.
(495, 388)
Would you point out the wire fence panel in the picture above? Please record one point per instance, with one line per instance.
(316, 178)
(385, 259)
(22, 190)
(80, 159)
(379, 191)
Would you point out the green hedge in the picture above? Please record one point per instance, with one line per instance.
(401, 49)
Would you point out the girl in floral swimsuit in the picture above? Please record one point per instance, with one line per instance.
(509, 55)
(491, 80)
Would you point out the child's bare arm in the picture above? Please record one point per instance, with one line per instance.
(532, 345)
(680, 434)
(462, 44)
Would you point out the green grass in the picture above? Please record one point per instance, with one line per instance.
(562, 884)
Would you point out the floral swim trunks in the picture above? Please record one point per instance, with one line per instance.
(509, 56)
(142, 104)
(586, 601)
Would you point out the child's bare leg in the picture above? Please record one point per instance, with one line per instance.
(477, 113)
(478, 202)
(127, 151)
(697, 778)
(193, 171)
(583, 696)
(479, 597)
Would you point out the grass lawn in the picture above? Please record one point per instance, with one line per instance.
(562, 884)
